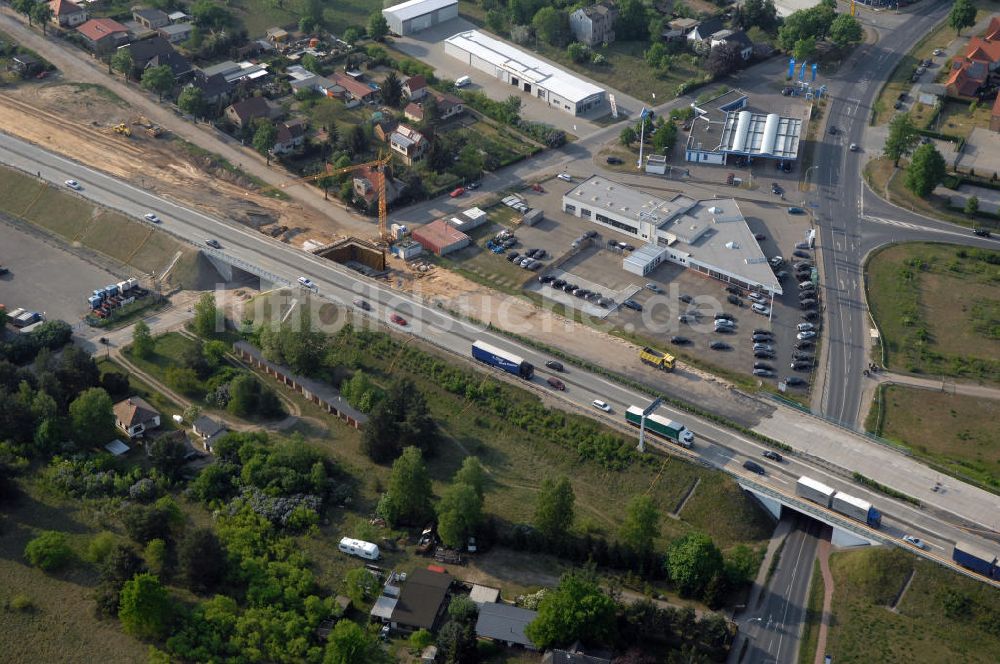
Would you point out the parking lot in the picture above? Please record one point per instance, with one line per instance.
(44, 277)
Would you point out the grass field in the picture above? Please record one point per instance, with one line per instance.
(957, 431)
(923, 628)
(956, 120)
(881, 176)
(937, 309)
(166, 406)
(259, 15)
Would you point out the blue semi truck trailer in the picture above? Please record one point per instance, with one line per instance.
(978, 559)
(501, 359)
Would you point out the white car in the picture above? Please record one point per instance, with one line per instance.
(757, 297)
(854, 147)
(601, 405)
(805, 327)
(73, 184)
(808, 334)
(307, 283)
(149, 216)
(915, 541)
(565, 177)
(761, 309)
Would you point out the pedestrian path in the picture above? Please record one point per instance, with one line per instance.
(823, 553)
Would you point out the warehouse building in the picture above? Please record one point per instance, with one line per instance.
(710, 236)
(725, 131)
(416, 15)
(440, 237)
(538, 79)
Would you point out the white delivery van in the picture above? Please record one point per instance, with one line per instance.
(359, 548)
(463, 81)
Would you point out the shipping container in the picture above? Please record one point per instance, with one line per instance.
(661, 426)
(856, 508)
(501, 359)
(817, 492)
(976, 558)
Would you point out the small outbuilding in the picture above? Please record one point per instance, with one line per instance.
(505, 624)
(208, 430)
(135, 416)
(416, 15)
(440, 237)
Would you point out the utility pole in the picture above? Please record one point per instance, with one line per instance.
(642, 422)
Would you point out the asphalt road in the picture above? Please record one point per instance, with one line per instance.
(716, 446)
(774, 624)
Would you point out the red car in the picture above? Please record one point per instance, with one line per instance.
(397, 319)
(458, 192)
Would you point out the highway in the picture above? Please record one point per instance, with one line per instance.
(716, 446)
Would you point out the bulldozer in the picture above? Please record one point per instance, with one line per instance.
(123, 129)
(151, 129)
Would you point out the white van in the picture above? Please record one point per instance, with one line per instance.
(359, 548)
(463, 81)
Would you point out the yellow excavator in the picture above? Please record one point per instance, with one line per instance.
(123, 129)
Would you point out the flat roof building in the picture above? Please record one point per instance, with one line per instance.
(440, 237)
(416, 15)
(536, 78)
(725, 127)
(709, 236)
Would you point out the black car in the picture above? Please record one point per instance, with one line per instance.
(833, 130)
(590, 234)
(723, 314)
(795, 381)
(509, 242)
(555, 366)
(733, 289)
(802, 355)
(720, 345)
(581, 293)
(810, 315)
(761, 338)
(725, 329)
(763, 365)
(753, 467)
(801, 254)
(763, 373)
(513, 256)
(569, 288)
(628, 247)
(801, 366)
(804, 344)
(760, 237)
(764, 354)
(615, 160)
(807, 304)
(558, 283)
(685, 299)
(732, 299)
(632, 304)
(981, 232)
(761, 330)
(773, 456)
(775, 189)
(680, 341)
(545, 279)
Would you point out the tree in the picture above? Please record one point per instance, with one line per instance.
(692, 561)
(360, 585)
(356, 141)
(901, 139)
(471, 473)
(24, 7)
(202, 560)
(92, 417)
(723, 59)
(846, 30)
(971, 206)
(122, 62)
(656, 55)
(470, 163)
(243, 395)
(552, 26)
(741, 565)
(927, 170)
(497, 21)
(554, 508)
(348, 643)
(206, 314)
(142, 341)
(804, 48)
(167, 456)
(460, 513)
(402, 418)
(664, 137)
(633, 21)
(758, 13)
(578, 52)
(49, 551)
(214, 352)
(408, 497)
(392, 89)
(457, 643)
(158, 79)
(351, 35)
(208, 14)
(962, 15)
(42, 13)
(157, 557)
(145, 609)
(264, 138)
(642, 525)
(378, 27)
(420, 639)
(628, 136)
(191, 101)
(576, 609)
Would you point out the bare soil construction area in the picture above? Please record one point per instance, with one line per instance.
(78, 120)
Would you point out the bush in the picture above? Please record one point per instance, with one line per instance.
(49, 551)
(100, 546)
(21, 603)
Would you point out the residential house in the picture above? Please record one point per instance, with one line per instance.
(152, 19)
(24, 64)
(383, 130)
(966, 79)
(737, 38)
(415, 87)
(594, 25)
(409, 144)
(366, 180)
(995, 115)
(103, 35)
(302, 78)
(352, 91)
(135, 416)
(291, 135)
(179, 17)
(414, 111)
(276, 35)
(505, 624)
(575, 654)
(702, 32)
(176, 33)
(993, 29)
(422, 601)
(157, 51)
(235, 72)
(243, 113)
(67, 14)
(214, 89)
(208, 430)
(448, 106)
(984, 50)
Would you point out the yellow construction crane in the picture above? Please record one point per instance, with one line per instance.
(380, 167)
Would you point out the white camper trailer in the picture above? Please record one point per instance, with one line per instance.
(359, 548)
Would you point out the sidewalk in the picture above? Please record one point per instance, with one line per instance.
(823, 554)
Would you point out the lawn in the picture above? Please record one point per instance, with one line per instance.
(956, 120)
(18, 191)
(956, 431)
(481, 265)
(936, 308)
(888, 183)
(162, 403)
(921, 629)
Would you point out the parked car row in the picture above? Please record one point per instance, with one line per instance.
(576, 291)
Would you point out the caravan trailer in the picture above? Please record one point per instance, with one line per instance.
(359, 548)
